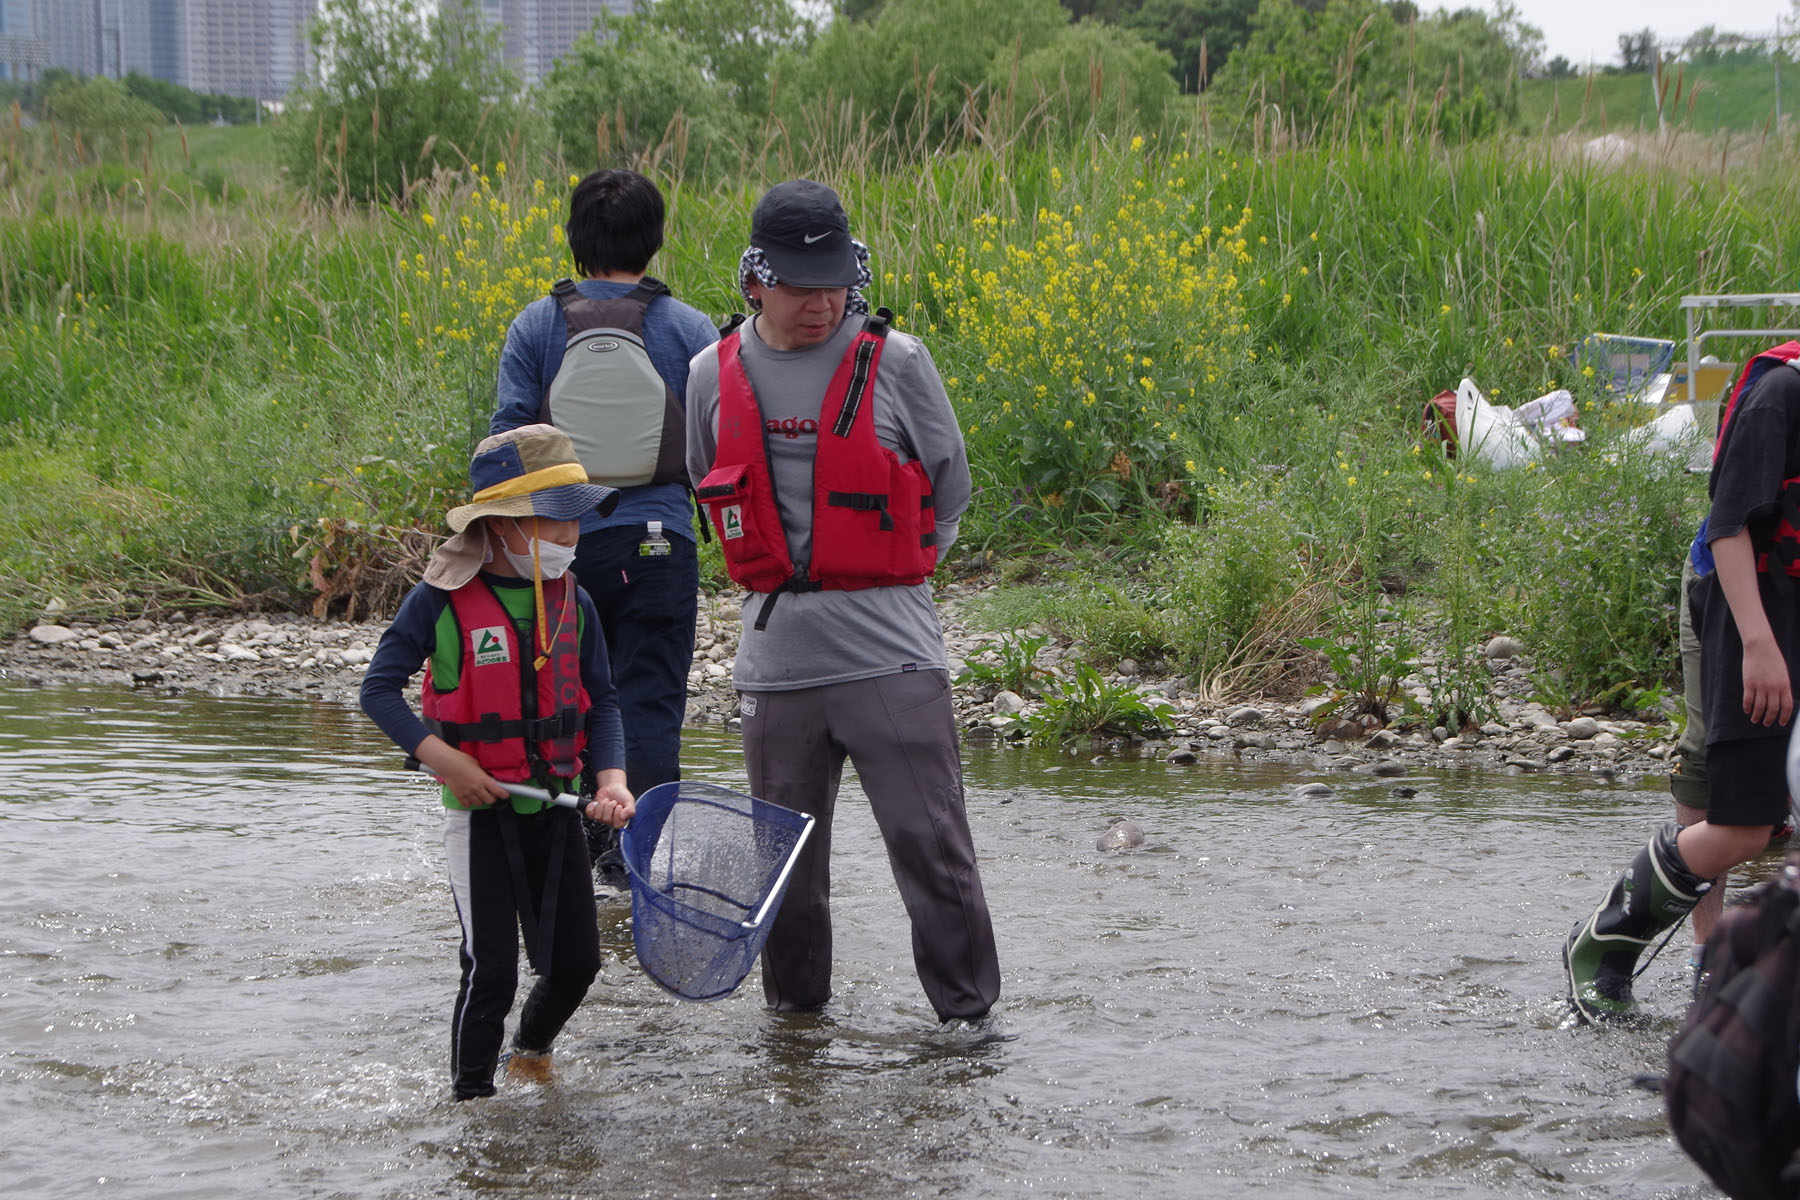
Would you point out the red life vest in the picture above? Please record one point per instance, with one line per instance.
(872, 520)
(1785, 547)
(508, 714)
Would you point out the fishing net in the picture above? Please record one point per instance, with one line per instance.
(708, 868)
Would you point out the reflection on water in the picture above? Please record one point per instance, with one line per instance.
(227, 957)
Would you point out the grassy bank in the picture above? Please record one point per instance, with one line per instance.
(1194, 370)
(1739, 98)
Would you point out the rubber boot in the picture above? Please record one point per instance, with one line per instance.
(1653, 894)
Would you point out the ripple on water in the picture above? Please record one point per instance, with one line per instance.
(227, 943)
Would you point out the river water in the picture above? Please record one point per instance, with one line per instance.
(228, 954)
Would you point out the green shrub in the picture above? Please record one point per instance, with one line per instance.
(1087, 705)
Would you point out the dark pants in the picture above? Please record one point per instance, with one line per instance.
(900, 733)
(647, 607)
(487, 905)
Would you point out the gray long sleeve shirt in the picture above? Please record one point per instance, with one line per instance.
(816, 638)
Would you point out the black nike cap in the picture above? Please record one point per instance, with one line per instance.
(802, 231)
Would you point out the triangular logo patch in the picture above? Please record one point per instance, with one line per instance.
(490, 646)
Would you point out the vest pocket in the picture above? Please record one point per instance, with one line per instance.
(742, 508)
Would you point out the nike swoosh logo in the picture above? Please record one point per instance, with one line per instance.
(810, 238)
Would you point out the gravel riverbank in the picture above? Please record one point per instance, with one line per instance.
(304, 658)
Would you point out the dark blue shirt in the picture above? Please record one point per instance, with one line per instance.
(673, 333)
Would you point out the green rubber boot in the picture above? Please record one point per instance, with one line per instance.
(1653, 894)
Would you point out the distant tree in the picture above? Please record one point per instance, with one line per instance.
(190, 107)
(912, 68)
(1352, 64)
(1525, 40)
(31, 92)
(735, 39)
(402, 93)
(623, 90)
(1188, 28)
(858, 10)
(1559, 68)
(1637, 51)
(105, 115)
(1090, 74)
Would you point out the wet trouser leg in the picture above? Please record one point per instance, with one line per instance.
(481, 880)
(574, 948)
(647, 606)
(900, 732)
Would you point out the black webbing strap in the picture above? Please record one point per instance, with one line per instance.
(863, 502)
(490, 728)
(584, 313)
(859, 385)
(536, 921)
(796, 584)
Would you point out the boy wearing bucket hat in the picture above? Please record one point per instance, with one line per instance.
(516, 690)
(825, 450)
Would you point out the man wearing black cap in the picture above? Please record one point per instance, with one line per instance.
(825, 451)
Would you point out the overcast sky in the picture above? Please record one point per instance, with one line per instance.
(1588, 30)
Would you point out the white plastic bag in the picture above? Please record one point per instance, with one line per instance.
(1675, 432)
(1492, 433)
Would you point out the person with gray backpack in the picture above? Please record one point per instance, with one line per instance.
(604, 358)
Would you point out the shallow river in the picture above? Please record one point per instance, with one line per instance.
(228, 954)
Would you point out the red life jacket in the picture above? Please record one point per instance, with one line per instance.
(511, 716)
(873, 522)
(1785, 547)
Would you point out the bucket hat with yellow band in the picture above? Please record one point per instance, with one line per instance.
(530, 471)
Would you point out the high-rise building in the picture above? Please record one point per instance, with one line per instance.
(237, 47)
(240, 47)
(22, 52)
(538, 32)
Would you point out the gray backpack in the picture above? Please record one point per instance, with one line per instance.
(627, 426)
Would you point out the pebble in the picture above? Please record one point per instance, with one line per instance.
(298, 656)
(1122, 834)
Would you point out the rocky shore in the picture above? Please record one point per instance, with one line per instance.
(303, 658)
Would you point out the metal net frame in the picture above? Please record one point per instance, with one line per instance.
(708, 869)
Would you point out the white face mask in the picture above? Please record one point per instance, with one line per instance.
(553, 559)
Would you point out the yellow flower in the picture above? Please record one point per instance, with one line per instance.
(1068, 424)
(1137, 143)
(1443, 310)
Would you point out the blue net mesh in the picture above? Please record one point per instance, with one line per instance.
(706, 863)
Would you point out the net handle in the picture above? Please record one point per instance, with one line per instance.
(787, 869)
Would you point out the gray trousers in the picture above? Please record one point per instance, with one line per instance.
(1687, 779)
(899, 731)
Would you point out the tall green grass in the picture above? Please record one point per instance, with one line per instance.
(226, 395)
